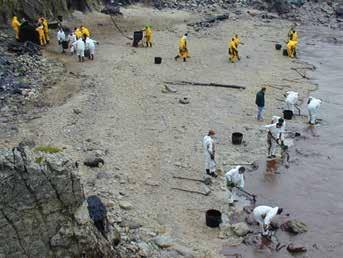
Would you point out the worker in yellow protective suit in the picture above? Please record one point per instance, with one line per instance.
(294, 36)
(233, 51)
(148, 35)
(291, 48)
(238, 42)
(183, 48)
(78, 33)
(16, 26)
(45, 24)
(84, 31)
(41, 34)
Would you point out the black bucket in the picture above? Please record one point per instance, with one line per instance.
(137, 36)
(278, 46)
(288, 114)
(237, 138)
(65, 44)
(213, 218)
(158, 60)
(284, 52)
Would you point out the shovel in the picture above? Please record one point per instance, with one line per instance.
(253, 196)
(206, 181)
(254, 165)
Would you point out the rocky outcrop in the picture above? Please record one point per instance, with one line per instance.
(42, 210)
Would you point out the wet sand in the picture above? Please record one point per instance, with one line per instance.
(311, 189)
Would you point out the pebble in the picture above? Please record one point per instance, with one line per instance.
(125, 205)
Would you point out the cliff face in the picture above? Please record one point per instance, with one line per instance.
(49, 8)
(41, 208)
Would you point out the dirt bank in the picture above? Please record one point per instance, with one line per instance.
(147, 136)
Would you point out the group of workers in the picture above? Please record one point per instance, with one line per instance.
(78, 41)
(234, 180)
(42, 28)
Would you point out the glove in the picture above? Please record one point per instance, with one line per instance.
(212, 156)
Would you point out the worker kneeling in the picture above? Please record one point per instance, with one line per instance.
(275, 137)
(264, 216)
(313, 106)
(234, 179)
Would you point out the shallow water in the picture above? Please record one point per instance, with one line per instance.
(311, 189)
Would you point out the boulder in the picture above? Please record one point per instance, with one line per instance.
(125, 205)
(294, 226)
(163, 241)
(240, 229)
(94, 161)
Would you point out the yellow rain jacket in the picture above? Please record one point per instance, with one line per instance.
(183, 50)
(16, 25)
(85, 31)
(42, 39)
(291, 47)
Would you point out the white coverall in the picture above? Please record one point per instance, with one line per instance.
(264, 216)
(313, 109)
(72, 39)
(80, 47)
(208, 144)
(291, 100)
(90, 45)
(233, 177)
(275, 119)
(276, 134)
(61, 36)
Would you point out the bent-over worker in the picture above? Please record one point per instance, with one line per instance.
(183, 48)
(233, 179)
(264, 216)
(313, 106)
(16, 26)
(291, 100)
(209, 153)
(238, 42)
(275, 137)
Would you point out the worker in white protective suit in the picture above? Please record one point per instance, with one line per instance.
(61, 37)
(209, 153)
(264, 216)
(313, 106)
(233, 179)
(275, 137)
(276, 119)
(80, 49)
(72, 39)
(90, 45)
(291, 100)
